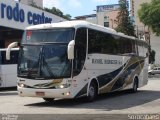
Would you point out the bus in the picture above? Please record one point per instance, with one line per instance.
(75, 59)
(8, 68)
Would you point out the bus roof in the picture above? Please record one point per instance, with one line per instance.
(70, 24)
(77, 24)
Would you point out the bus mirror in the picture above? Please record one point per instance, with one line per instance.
(71, 50)
(14, 44)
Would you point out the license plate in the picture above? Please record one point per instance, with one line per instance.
(40, 93)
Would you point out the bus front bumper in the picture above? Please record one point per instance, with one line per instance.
(44, 93)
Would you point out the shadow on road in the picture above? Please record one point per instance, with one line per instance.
(106, 102)
(8, 91)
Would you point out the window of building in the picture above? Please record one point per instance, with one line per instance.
(106, 24)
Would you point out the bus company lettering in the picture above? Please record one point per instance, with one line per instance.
(18, 14)
(97, 61)
(101, 61)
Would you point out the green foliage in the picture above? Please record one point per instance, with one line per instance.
(58, 13)
(152, 57)
(149, 14)
(123, 20)
(54, 11)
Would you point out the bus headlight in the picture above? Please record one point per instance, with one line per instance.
(20, 84)
(61, 86)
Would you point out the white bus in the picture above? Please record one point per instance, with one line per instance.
(8, 68)
(75, 58)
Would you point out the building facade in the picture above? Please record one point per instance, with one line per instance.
(141, 29)
(15, 17)
(105, 16)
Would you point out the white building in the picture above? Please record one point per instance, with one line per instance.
(15, 17)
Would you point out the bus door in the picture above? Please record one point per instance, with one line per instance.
(79, 70)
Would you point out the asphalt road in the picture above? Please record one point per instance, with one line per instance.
(145, 101)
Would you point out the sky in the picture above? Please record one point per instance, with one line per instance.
(77, 7)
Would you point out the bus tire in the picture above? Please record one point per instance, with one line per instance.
(92, 92)
(48, 99)
(151, 73)
(135, 85)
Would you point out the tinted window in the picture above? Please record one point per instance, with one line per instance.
(142, 48)
(48, 35)
(13, 60)
(105, 43)
(44, 61)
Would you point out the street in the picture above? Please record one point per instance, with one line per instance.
(146, 100)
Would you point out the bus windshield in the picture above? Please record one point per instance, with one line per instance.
(48, 35)
(43, 54)
(44, 62)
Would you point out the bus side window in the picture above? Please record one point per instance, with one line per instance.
(13, 60)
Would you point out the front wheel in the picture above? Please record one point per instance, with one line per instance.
(92, 92)
(48, 99)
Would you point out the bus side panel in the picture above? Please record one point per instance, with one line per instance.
(143, 77)
(80, 84)
(2, 80)
(9, 75)
(105, 68)
(124, 79)
(115, 75)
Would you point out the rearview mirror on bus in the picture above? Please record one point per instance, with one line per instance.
(71, 50)
(8, 51)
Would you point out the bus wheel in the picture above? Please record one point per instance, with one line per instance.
(135, 86)
(92, 92)
(150, 73)
(48, 99)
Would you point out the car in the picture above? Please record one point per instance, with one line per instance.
(155, 70)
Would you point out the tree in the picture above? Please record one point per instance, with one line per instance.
(124, 23)
(67, 16)
(58, 12)
(149, 14)
(54, 11)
